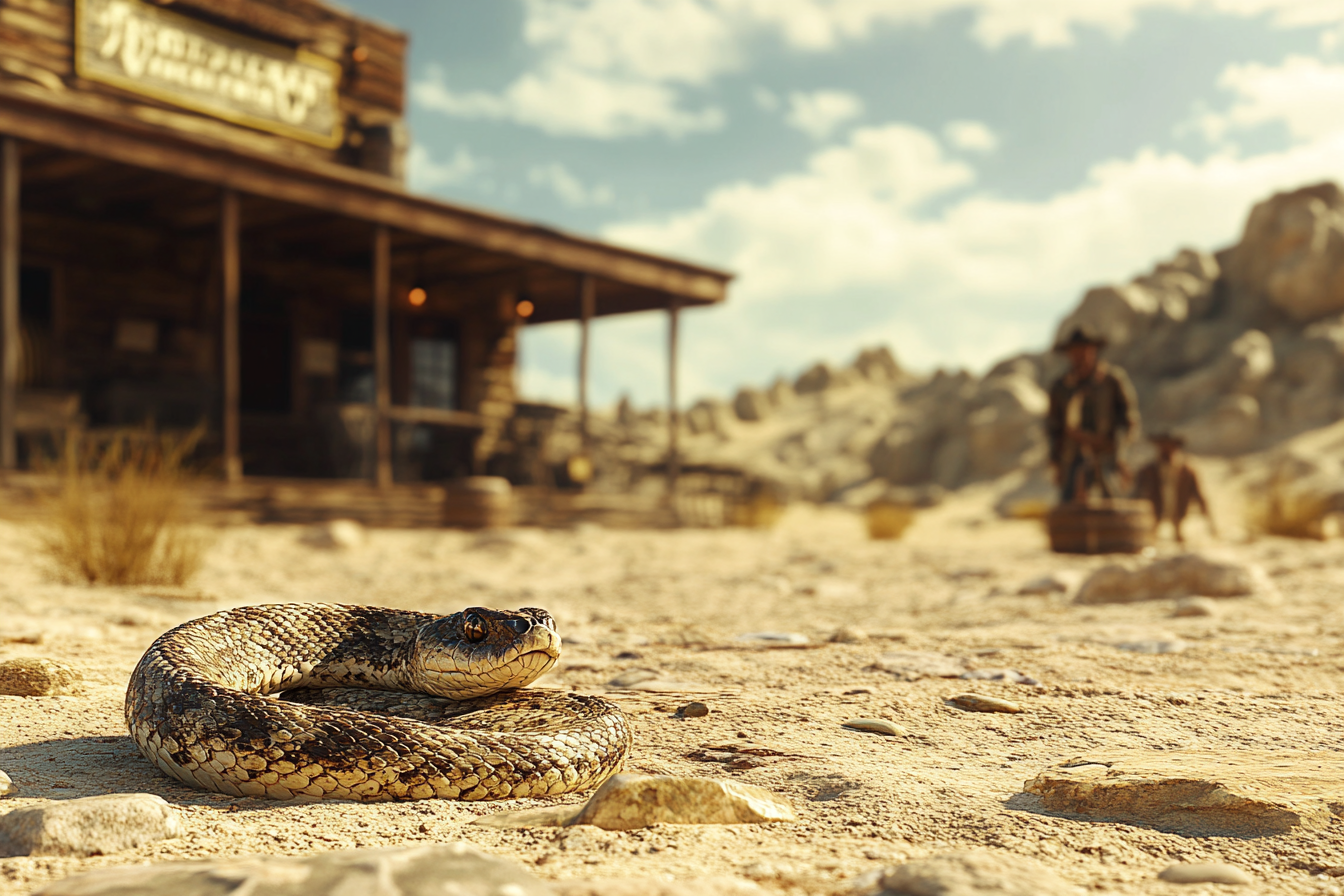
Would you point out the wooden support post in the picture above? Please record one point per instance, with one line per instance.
(232, 358)
(382, 354)
(673, 414)
(587, 306)
(9, 302)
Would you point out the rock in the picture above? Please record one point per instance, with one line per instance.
(628, 801)
(877, 726)
(455, 868)
(817, 378)
(520, 819)
(980, 872)
(1168, 579)
(1211, 873)
(1292, 251)
(751, 405)
(775, 639)
(38, 677)
(6, 784)
(709, 417)
(91, 826)
(913, 665)
(1152, 645)
(1012, 676)
(1058, 582)
(781, 393)
(701, 886)
(1241, 793)
(848, 634)
(1119, 313)
(1194, 606)
(877, 364)
(1231, 426)
(1239, 370)
(632, 677)
(693, 711)
(336, 535)
(981, 703)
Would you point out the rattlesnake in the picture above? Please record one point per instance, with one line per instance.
(355, 721)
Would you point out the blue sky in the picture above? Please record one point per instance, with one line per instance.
(942, 176)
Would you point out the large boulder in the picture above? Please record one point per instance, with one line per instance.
(92, 826)
(877, 364)
(1239, 370)
(1005, 424)
(751, 405)
(1292, 251)
(1121, 314)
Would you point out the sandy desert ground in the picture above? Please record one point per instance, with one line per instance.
(1265, 671)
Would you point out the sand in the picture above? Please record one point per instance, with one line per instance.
(1265, 672)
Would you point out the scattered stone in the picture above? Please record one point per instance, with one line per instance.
(979, 872)
(751, 405)
(739, 755)
(1246, 793)
(1011, 676)
(1210, 873)
(632, 677)
(38, 677)
(776, 639)
(704, 886)
(914, 665)
(1059, 582)
(1152, 645)
(877, 726)
(6, 784)
(693, 711)
(91, 826)
(1168, 579)
(627, 801)
(335, 535)
(455, 868)
(981, 703)
(540, 817)
(848, 634)
(1194, 606)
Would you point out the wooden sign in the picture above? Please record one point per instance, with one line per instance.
(186, 62)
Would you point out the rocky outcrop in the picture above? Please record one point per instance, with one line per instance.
(1292, 251)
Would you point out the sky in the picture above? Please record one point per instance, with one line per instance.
(945, 177)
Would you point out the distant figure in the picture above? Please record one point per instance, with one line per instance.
(1092, 411)
(1170, 485)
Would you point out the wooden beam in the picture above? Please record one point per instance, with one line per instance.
(9, 301)
(587, 307)
(673, 414)
(382, 360)
(229, 285)
(344, 191)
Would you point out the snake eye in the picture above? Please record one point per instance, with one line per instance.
(473, 628)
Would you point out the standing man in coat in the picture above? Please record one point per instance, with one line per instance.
(1092, 414)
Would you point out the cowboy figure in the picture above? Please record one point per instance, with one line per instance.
(1171, 486)
(1092, 412)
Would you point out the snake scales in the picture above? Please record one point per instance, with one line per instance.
(378, 704)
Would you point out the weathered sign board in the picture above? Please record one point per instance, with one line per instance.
(186, 62)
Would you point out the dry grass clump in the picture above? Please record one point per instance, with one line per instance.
(115, 517)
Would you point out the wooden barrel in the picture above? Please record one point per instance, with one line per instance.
(1108, 526)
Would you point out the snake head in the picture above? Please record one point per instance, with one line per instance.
(481, 651)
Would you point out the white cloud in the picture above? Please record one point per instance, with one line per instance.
(1305, 94)
(620, 68)
(981, 276)
(559, 180)
(972, 136)
(820, 112)
(424, 172)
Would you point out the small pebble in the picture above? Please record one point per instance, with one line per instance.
(1211, 873)
(1195, 606)
(6, 784)
(1012, 676)
(877, 726)
(693, 711)
(979, 703)
(848, 634)
(776, 639)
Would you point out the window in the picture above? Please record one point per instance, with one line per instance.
(434, 373)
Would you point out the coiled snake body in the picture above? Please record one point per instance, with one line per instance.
(379, 704)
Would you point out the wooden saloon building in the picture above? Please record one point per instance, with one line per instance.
(202, 218)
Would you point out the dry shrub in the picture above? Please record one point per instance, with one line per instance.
(115, 517)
